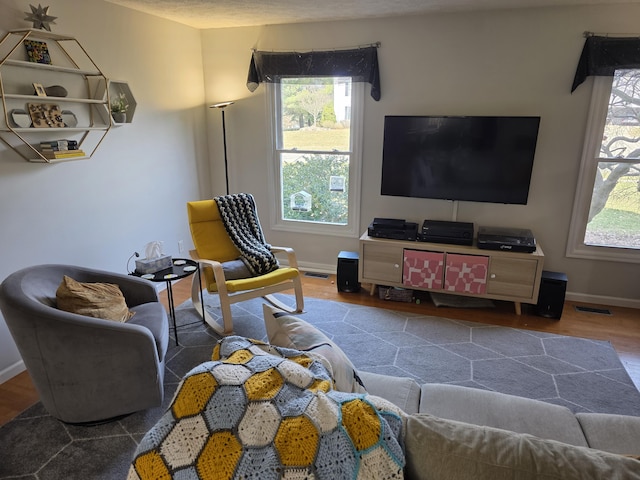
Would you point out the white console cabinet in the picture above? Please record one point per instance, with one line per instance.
(456, 269)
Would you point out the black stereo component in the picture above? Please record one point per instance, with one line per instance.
(553, 286)
(347, 274)
(393, 228)
(510, 239)
(440, 231)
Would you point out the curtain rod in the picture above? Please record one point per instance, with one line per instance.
(587, 34)
(375, 44)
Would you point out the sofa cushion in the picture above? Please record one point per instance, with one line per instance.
(437, 448)
(98, 300)
(289, 331)
(611, 433)
(401, 391)
(499, 410)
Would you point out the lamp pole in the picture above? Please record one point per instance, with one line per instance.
(222, 106)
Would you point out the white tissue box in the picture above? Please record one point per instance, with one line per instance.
(153, 265)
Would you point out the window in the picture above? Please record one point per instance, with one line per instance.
(316, 167)
(606, 214)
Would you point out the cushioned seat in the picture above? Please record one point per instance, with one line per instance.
(87, 369)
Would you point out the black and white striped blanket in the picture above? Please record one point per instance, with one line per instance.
(240, 218)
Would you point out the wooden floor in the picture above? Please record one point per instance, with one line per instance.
(621, 328)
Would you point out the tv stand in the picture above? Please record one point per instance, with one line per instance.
(456, 269)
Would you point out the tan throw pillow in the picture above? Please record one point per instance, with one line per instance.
(289, 331)
(440, 449)
(98, 300)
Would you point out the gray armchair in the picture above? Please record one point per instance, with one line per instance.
(87, 369)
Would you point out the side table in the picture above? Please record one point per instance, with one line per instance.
(181, 268)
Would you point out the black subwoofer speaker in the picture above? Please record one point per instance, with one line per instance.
(347, 275)
(553, 286)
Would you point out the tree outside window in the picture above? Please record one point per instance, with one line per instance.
(606, 217)
(614, 214)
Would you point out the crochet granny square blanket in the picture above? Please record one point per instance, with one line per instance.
(262, 412)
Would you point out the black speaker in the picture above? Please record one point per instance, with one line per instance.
(553, 286)
(348, 272)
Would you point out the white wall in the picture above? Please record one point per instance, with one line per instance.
(519, 62)
(97, 212)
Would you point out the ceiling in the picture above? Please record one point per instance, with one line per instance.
(245, 13)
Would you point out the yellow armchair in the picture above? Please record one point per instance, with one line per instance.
(213, 247)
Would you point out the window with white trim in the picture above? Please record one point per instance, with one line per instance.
(606, 214)
(316, 138)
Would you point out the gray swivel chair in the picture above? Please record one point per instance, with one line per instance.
(87, 369)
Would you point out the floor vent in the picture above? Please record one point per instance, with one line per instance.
(600, 311)
(316, 275)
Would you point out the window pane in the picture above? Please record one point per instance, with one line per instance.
(621, 135)
(614, 216)
(315, 114)
(315, 187)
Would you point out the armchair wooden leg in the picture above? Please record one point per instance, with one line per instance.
(299, 308)
(198, 305)
(225, 307)
(297, 282)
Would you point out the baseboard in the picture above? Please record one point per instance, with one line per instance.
(11, 371)
(603, 300)
(318, 267)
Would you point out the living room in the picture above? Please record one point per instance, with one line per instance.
(135, 187)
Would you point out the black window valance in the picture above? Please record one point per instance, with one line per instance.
(361, 64)
(602, 56)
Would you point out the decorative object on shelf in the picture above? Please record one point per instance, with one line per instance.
(119, 108)
(39, 90)
(37, 52)
(56, 91)
(222, 106)
(20, 118)
(69, 118)
(40, 17)
(45, 115)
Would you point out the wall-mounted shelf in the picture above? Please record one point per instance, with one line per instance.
(71, 67)
(118, 88)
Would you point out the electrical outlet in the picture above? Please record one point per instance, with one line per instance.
(180, 246)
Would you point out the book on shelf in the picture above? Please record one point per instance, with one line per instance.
(52, 155)
(60, 144)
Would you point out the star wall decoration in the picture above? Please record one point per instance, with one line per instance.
(40, 17)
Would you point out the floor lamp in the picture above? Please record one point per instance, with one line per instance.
(222, 106)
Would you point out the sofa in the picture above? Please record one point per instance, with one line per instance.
(454, 432)
(454, 414)
(296, 407)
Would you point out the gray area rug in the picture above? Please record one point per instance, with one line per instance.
(584, 375)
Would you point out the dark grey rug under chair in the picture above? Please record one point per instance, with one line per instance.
(584, 375)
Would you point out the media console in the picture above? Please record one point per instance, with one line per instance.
(457, 269)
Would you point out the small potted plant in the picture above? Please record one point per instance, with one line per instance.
(119, 108)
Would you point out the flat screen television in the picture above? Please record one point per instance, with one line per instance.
(468, 158)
